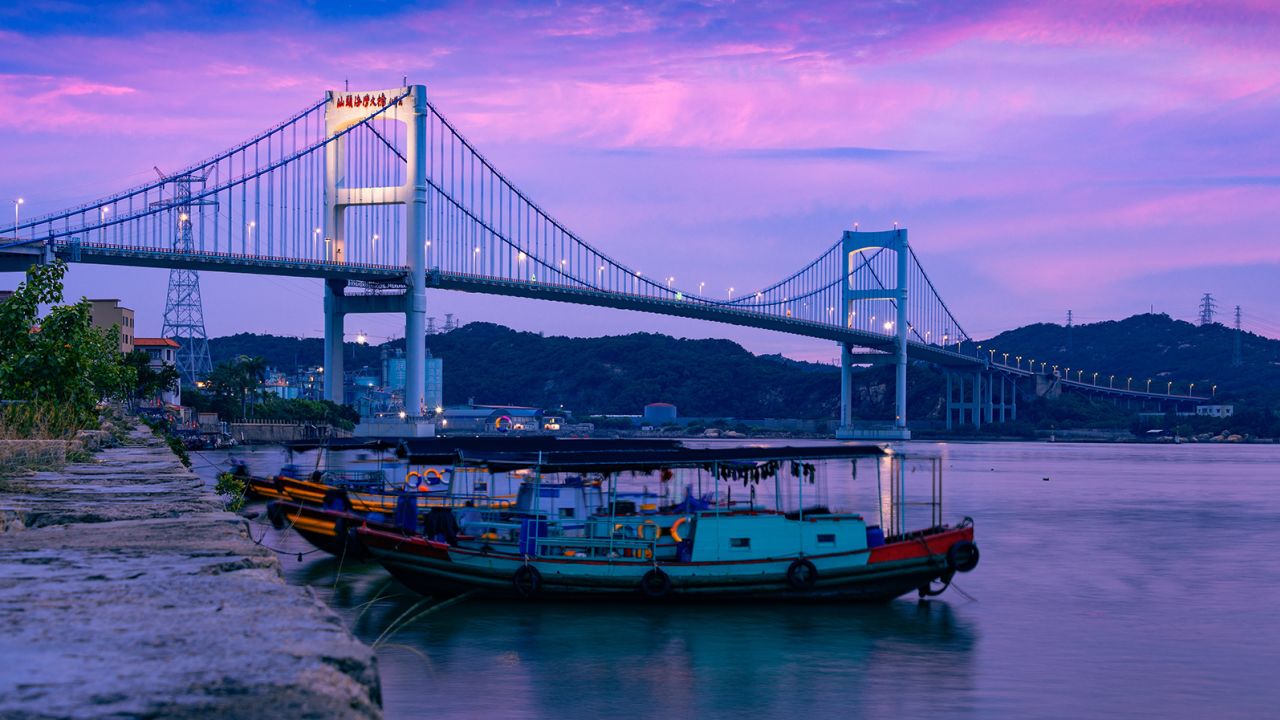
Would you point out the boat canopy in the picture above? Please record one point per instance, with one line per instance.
(444, 450)
(352, 443)
(646, 460)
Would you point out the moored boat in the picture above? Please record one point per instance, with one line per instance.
(594, 544)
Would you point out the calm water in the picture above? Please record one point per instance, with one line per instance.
(1139, 581)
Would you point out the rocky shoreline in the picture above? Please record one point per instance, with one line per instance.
(126, 590)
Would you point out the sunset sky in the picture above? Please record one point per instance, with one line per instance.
(1102, 157)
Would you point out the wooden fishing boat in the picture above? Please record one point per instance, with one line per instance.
(705, 547)
(326, 506)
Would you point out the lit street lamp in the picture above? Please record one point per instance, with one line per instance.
(1095, 378)
(16, 204)
(1111, 382)
(1148, 384)
(1169, 390)
(700, 285)
(1214, 392)
(730, 293)
(1079, 376)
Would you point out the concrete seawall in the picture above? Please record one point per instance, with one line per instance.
(125, 590)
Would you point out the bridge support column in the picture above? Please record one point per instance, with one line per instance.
(846, 388)
(334, 317)
(975, 410)
(415, 311)
(1004, 405)
(948, 374)
(1013, 406)
(991, 398)
(901, 385)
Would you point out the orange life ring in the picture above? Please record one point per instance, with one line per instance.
(675, 529)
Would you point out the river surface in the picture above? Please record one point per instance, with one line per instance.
(1136, 581)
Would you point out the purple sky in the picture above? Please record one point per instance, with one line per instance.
(1096, 156)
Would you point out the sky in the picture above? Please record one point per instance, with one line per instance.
(1104, 157)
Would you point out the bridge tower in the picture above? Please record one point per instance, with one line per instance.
(853, 243)
(339, 195)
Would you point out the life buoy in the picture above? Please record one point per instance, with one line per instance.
(655, 584)
(433, 473)
(802, 574)
(409, 484)
(675, 529)
(527, 581)
(650, 523)
(963, 556)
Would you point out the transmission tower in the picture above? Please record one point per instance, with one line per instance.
(1069, 319)
(1207, 308)
(183, 307)
(1237, 358)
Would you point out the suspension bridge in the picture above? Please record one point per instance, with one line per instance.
(379, 195)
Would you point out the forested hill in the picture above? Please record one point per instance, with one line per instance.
(494, 364)
(1158, 347)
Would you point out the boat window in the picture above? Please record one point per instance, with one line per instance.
(826, 539)
(740, 542)
(566, 512)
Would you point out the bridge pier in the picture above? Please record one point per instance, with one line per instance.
(415, 305)
(334, 322)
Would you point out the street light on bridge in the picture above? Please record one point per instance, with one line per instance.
(1006, 358)
(700, 286)
(1148, 384)
(730, 293)
(1095, 378)
(1128, 384)
(1079, 376)
(1019, 359)
(670, 278)
(1192, 389)
(1169, 390)
(1214, 391)
(1111, 382)
(17, 202)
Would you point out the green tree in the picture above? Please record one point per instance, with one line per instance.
(56, 368)
(236, 383)
(149, 382)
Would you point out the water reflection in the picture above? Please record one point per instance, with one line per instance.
(687, 661)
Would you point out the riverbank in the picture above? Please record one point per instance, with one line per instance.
(125, 589)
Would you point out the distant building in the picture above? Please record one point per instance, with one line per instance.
(106, 313)
(433, 396)
(5, 295)
(394, 373)
(659, 413)
(496, 418)
(1220, 411)
(277, 383)
(162, 352)
(393, 369)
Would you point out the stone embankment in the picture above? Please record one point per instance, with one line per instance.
(125, 590)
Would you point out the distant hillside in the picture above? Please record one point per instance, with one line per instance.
(494, 364)
(1158, 347)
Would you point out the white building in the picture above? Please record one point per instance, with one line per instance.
(162, 352)
(1220, 411)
